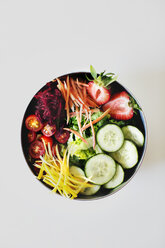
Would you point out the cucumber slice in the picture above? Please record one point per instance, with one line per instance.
(134, 134)
(76, 171)
(90, 191)
(110, 138)
(117, 179)
(100, 168)
(127, 156)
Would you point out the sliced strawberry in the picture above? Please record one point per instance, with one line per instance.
(98, 93)
(119, 106)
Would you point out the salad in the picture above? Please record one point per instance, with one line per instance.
(83, 136)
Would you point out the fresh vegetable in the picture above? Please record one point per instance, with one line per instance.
(97, 120)
(98, 124)
(98, 86)
(33, 123)
(73, 123)
(54, 149)
(133, 134)
(48, 130)
(117, 179)
(77, 134)
(90, 191)
(98, 149)
(46, 140)
(85, 154)
(50, 106)
(76, 171)
(80, 149)
(127, 155)
(119, 106)
(119, 123)
(31, 136)
(36, 149)
(55, 173)
(100, 168)
(93, 131)
(75, 95)
(110, 138)
(39, 136)
(62, 136)
(79, 173)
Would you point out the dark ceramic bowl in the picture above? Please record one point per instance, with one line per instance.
(138, 120)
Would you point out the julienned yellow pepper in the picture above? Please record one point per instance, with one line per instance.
(55, 172)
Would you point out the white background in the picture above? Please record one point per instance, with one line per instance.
(40, 40)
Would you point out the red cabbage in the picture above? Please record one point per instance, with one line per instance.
(50, 106)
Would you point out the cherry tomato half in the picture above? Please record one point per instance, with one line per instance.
(46, 140)
(62, 136)
(36, 149)
(48, 130)
(31, 136)
(33, 123)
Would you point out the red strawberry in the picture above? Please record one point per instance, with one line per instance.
(99, 94)
(119, 106)
(98, 86)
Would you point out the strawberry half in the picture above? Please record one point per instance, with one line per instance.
(119, 106)
(97, 88)
(100, 94)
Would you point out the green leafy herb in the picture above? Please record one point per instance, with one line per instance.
(134, 104)
(99, 123)
(119, 123)
(79, 149)
(104, 79)
(73, 124)
(93, 72)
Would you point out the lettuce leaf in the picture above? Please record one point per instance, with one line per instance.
(80, 149)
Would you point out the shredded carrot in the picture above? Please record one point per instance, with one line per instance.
(71, 104)
(78, 120)
(74, 96)
(80, 93)
(74, 87)
(60, 86)
(80, 113)
(78, 84)
(84, 93)
(95, 110)
(67, 99)
(91, 102)
(81, 84)
(77, 134)
(98, 119)
(85, 124)
(93, 131)
(85, 105)
(77, 94)
(83, 112)
(84, 84)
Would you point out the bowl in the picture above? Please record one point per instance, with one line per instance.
(138, 120)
